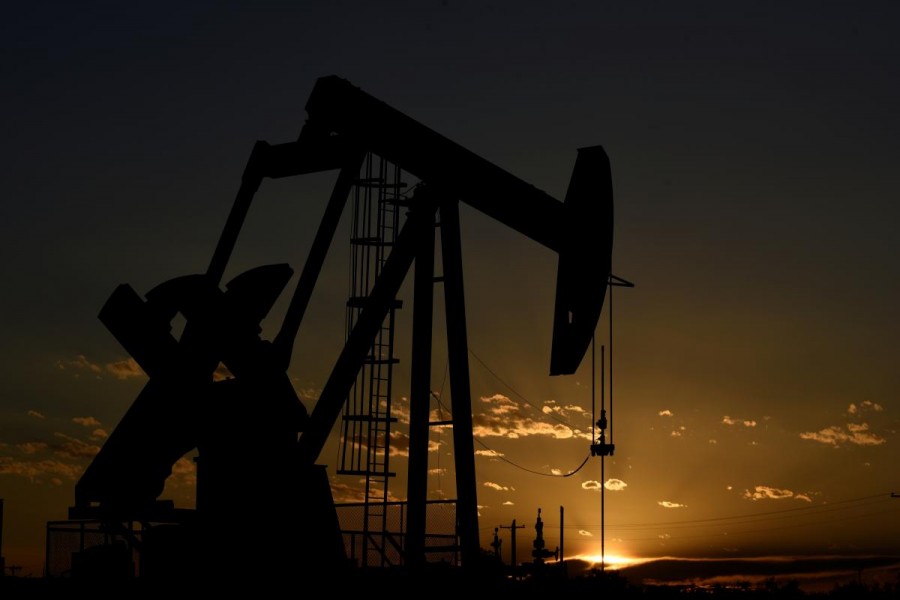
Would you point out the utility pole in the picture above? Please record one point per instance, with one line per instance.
(512, 529)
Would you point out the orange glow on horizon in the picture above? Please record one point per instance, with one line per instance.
(612, 561)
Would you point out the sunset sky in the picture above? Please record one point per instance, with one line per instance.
(754, 150)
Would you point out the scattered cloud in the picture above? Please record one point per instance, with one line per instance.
(505, 418)
(713, 441)
(99, 434)
(865, 405)
(745, 422)
(86, 421)
(552, 406)
(498, 487)
(488, 453)
(665, 413)
(556, 471)
(400, 410)
(184, 472)
(667, 504)
(500, 404)
(31, 447)
(310, 394)
(615, 485)
(508, 503)
(35, 470)
(585, 533)
(36, 414)
(80, 363)
(399, 445)
(856, 433)
(437, 471)
(763, 492)
(74, 448)
(222, 373)
(344, 492)
(125, 369)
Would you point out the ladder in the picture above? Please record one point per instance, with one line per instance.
(367, 419)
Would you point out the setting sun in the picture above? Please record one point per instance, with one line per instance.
(612, 561)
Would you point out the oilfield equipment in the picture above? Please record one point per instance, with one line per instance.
(403, 182)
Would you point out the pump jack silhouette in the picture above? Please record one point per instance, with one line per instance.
(269, 489)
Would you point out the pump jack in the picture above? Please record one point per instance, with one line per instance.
(272, 487)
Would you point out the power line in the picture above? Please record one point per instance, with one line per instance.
(518, 466)
(506, 460)
(514, 391)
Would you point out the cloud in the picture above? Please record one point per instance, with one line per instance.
(74, 448)
(667, 504)
(125, 369)
(678, 432)
(585, 533)
(615, 485)
(400, 411)
(865, 405)
(437, 471)
(505, 418)
(665, 413)
(763, 492)
(508, 503)
(500, 404)
(80, 363)
(556, 471)
(399, 444)
(310, 394)
(222, 373)
(497, 486)
(712, 441)
(36, 414)
(745, 422)
(184, 472)
(86, 421)
(344, 493)
(99, 434)
(857, 433)
(552, 406)
(31, 447)
(34, 470)
(488, 453)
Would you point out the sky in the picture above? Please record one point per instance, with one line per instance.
(753, 148)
